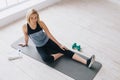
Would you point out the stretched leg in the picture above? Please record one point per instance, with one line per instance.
(56, 49)
(79, 59)
(87, 62)
(75, 57)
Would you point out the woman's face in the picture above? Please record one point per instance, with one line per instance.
(33, 18)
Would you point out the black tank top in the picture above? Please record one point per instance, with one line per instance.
(31, 31)
(37, 35)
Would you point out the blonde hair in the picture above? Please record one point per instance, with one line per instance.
(30, 12)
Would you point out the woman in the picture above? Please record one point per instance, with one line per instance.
(47, 46)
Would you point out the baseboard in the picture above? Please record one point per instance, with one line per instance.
(14, 13)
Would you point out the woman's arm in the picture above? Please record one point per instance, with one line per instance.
(42, 24)
(26, 38)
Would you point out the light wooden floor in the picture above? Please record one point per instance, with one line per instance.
(94, 24)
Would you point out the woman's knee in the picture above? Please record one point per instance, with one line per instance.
(48, 59)
(69, 53)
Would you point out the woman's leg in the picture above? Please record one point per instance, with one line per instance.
(87, 62)
(46, 57)
(54, 48)
(79, 59)
(56, 56)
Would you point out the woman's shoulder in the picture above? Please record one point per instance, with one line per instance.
(41, 23)
(25, 27)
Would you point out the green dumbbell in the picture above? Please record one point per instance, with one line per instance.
(75, 46)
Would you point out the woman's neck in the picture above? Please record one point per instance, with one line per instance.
(33, 25)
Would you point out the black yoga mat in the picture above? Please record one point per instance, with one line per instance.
(65, 65)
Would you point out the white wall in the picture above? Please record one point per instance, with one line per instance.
(115, 1)
(15, 13)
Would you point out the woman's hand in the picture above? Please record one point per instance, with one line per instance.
(22, 45)
(63, 47)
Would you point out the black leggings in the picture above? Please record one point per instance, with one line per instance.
(52, 48)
